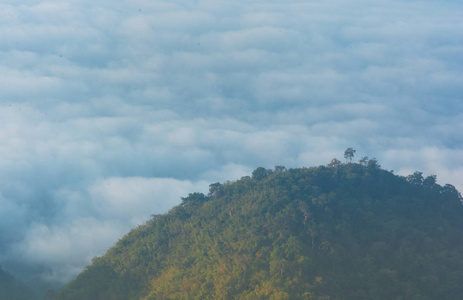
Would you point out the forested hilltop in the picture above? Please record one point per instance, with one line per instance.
(341, 231)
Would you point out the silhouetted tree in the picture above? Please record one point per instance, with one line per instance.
(259, 173)
(215, 189)
(430, 181)
(364, 160)
(349, 154)
(415, 178)
(373, 164)
(194, 198)
(450, 191)
(334, 163)
(279, 169)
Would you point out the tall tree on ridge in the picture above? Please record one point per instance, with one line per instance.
(349, 153)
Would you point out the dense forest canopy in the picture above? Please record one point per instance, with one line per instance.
(342, 231)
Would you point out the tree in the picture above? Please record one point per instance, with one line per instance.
(415, 178)
(349, 154)
(215, 189)
(259, 173)
(334, 163)
(364, 160)
(280, 169)
(430, 181)
(452, 192)
(373, 164)
(195, 198)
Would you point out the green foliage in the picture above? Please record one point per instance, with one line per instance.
(350, 231)
(260, 173)
(194, 199)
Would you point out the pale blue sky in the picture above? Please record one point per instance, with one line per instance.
(112, 110)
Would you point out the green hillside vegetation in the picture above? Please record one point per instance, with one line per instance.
(342, 231)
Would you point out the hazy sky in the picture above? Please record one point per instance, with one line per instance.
(110, 111)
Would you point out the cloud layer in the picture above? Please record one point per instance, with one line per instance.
(113, 111)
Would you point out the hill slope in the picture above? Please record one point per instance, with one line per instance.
(11, 289)
(347, 231)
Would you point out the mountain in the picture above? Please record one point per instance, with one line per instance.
(343, 231)
(11, 289)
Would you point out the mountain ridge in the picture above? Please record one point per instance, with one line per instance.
(12, 289)
(342, 231)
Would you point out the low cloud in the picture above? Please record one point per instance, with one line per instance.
(88, 222)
